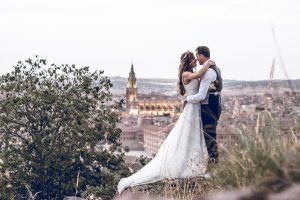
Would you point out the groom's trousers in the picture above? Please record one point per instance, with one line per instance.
(210, 114)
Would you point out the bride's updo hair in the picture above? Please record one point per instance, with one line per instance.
(185, 65)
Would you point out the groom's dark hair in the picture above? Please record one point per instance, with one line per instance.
(204, 50)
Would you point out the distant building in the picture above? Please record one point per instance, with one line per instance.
(145, 133)
(132, 137)
(160, 107)
(131, 94)
(153, 107)
(132, 133)
(155, 135)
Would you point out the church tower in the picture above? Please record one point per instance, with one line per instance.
(131, 94)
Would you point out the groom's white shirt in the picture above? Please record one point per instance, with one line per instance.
(209, 77)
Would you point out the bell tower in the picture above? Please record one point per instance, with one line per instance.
(131, 93)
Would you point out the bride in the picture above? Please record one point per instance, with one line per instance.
(183, 154)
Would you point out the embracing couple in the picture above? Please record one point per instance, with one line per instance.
(192, 142)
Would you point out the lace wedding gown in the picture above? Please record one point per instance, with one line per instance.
(183, 154)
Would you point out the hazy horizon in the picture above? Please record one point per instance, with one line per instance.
(223, 79)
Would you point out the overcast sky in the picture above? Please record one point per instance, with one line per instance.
(110, 34)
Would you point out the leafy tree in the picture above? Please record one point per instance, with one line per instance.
(52, 118)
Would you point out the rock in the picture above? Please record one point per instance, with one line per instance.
(128, 195)
(292, 193)
(73, 198)
(241, 194)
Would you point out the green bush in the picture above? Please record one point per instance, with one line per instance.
(51, 120)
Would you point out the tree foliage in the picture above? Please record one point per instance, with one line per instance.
(52, 119)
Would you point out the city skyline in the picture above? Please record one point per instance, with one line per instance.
(110, 35)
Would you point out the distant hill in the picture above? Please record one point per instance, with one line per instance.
(146, 86)
(169, 86)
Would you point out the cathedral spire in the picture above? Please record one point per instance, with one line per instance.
(131, 93)
(131, 79)
(132, 70)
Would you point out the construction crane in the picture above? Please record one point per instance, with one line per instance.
(281, 60)
(271, 75)
(269, 85)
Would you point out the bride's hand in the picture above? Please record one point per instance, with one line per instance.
(209, 63)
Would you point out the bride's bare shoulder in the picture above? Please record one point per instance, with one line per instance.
(186, 73)
(186, 77)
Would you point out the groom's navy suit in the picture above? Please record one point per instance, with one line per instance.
(210, 98)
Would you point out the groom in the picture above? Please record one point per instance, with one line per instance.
(210, 99)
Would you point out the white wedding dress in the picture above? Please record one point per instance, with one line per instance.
(183, 154)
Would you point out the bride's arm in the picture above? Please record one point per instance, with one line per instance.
(188, 76)
(205, 67)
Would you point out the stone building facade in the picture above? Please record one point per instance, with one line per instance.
(153, 107)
